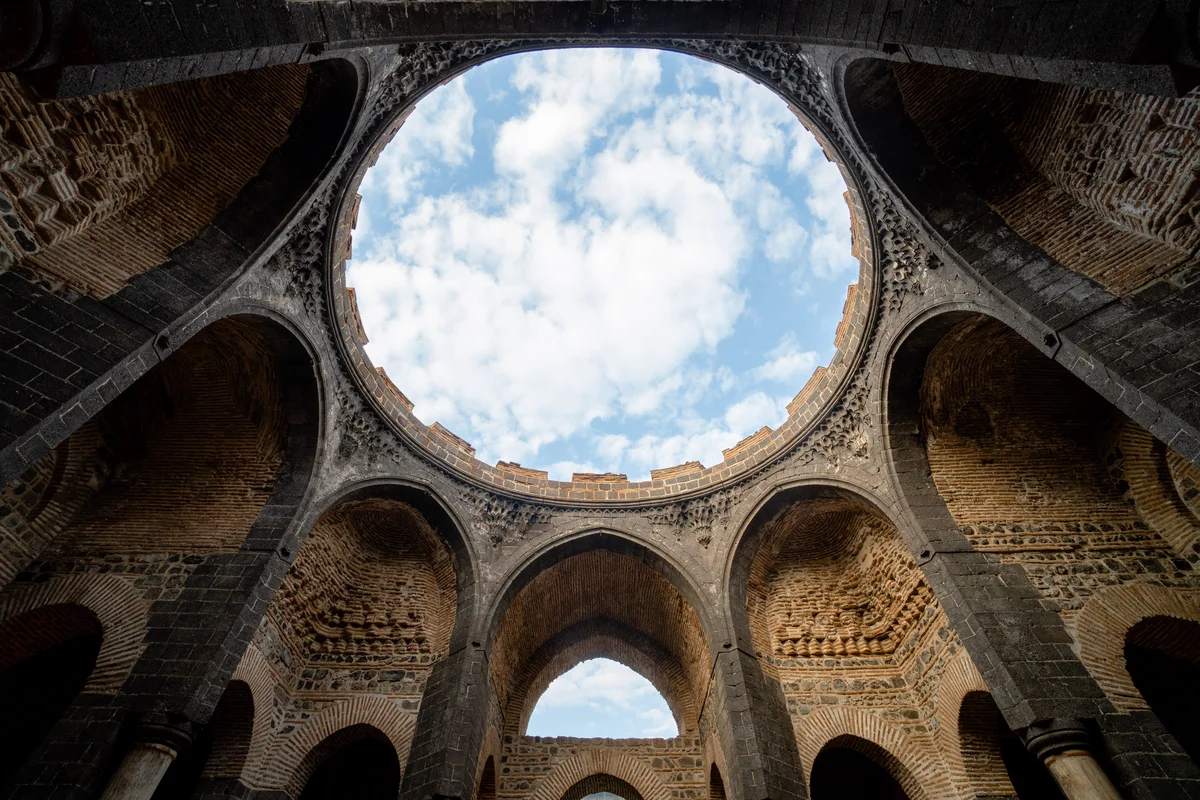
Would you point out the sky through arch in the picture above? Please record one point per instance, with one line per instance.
(602, 259)
(602, 698)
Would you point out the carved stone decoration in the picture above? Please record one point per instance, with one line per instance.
(501, 518)
(905, 260)
(697, 516)
(300, 258)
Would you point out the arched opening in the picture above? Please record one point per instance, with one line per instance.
(602, 786)
(609, 603)
(1162, 655)
(356, 763)
(374, 585)
(997, 413)
(220, 749)
(47, 656)
(716, 785)
(182, 462)
(487, 781)
(997, 761)
(847, 769)
(601, 698)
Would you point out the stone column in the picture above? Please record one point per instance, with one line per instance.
(1065, 746)
(154, 748)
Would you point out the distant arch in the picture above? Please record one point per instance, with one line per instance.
(359, 754)
(601, 761)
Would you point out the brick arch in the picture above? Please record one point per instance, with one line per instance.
(959, 679)
(606, 761)
(118, 605)
(256, 672)
(287, 768)
(1101, 626)
(915, 767)
(1144, 464)
(602, 639)
(602, 782)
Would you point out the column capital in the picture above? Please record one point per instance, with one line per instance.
(168, 730)
(1051, 737)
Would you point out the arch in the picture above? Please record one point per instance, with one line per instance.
(292, 762)
(442, 519)
(219, 750)
(602, 639)
(118, 606)
(1146, 468)
(601, 782)
(716, 785)
(161, 302)
(485, 786)
(593, 539)
(601, 761)
(259, 675)
(343, 757)
(914, 766)
(979, 746)
(596, 579)
(49, 654)
(754, 528)
(1103, 624)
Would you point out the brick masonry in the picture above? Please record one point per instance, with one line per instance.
(967, 514)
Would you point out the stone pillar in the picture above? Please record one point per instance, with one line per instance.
(155, 746)
(1065, 746)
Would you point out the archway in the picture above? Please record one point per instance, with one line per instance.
(355, 763)
(995, 758)
(1162, 655)
(613, 599)
(487, 781)
(47, 657)
(716, 785)
(849, 768)
(596, 787)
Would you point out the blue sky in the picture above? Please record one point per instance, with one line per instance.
(600, 697)
(601, 260)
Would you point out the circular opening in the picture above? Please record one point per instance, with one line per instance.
(589, 264)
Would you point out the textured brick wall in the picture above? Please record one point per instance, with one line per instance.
(95, 191)
(541, 768)
(1017, 452)
(1104, 182)
(372, 586)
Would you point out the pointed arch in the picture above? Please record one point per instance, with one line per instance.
(917, 768)
(596, 761)
(1102, 625)
(290, 766)
(118, 605)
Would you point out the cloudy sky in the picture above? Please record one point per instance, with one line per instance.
(601, 260)
(600, 697)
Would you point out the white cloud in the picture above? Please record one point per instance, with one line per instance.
(602, 697)
(788, 363)
(594, 278)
